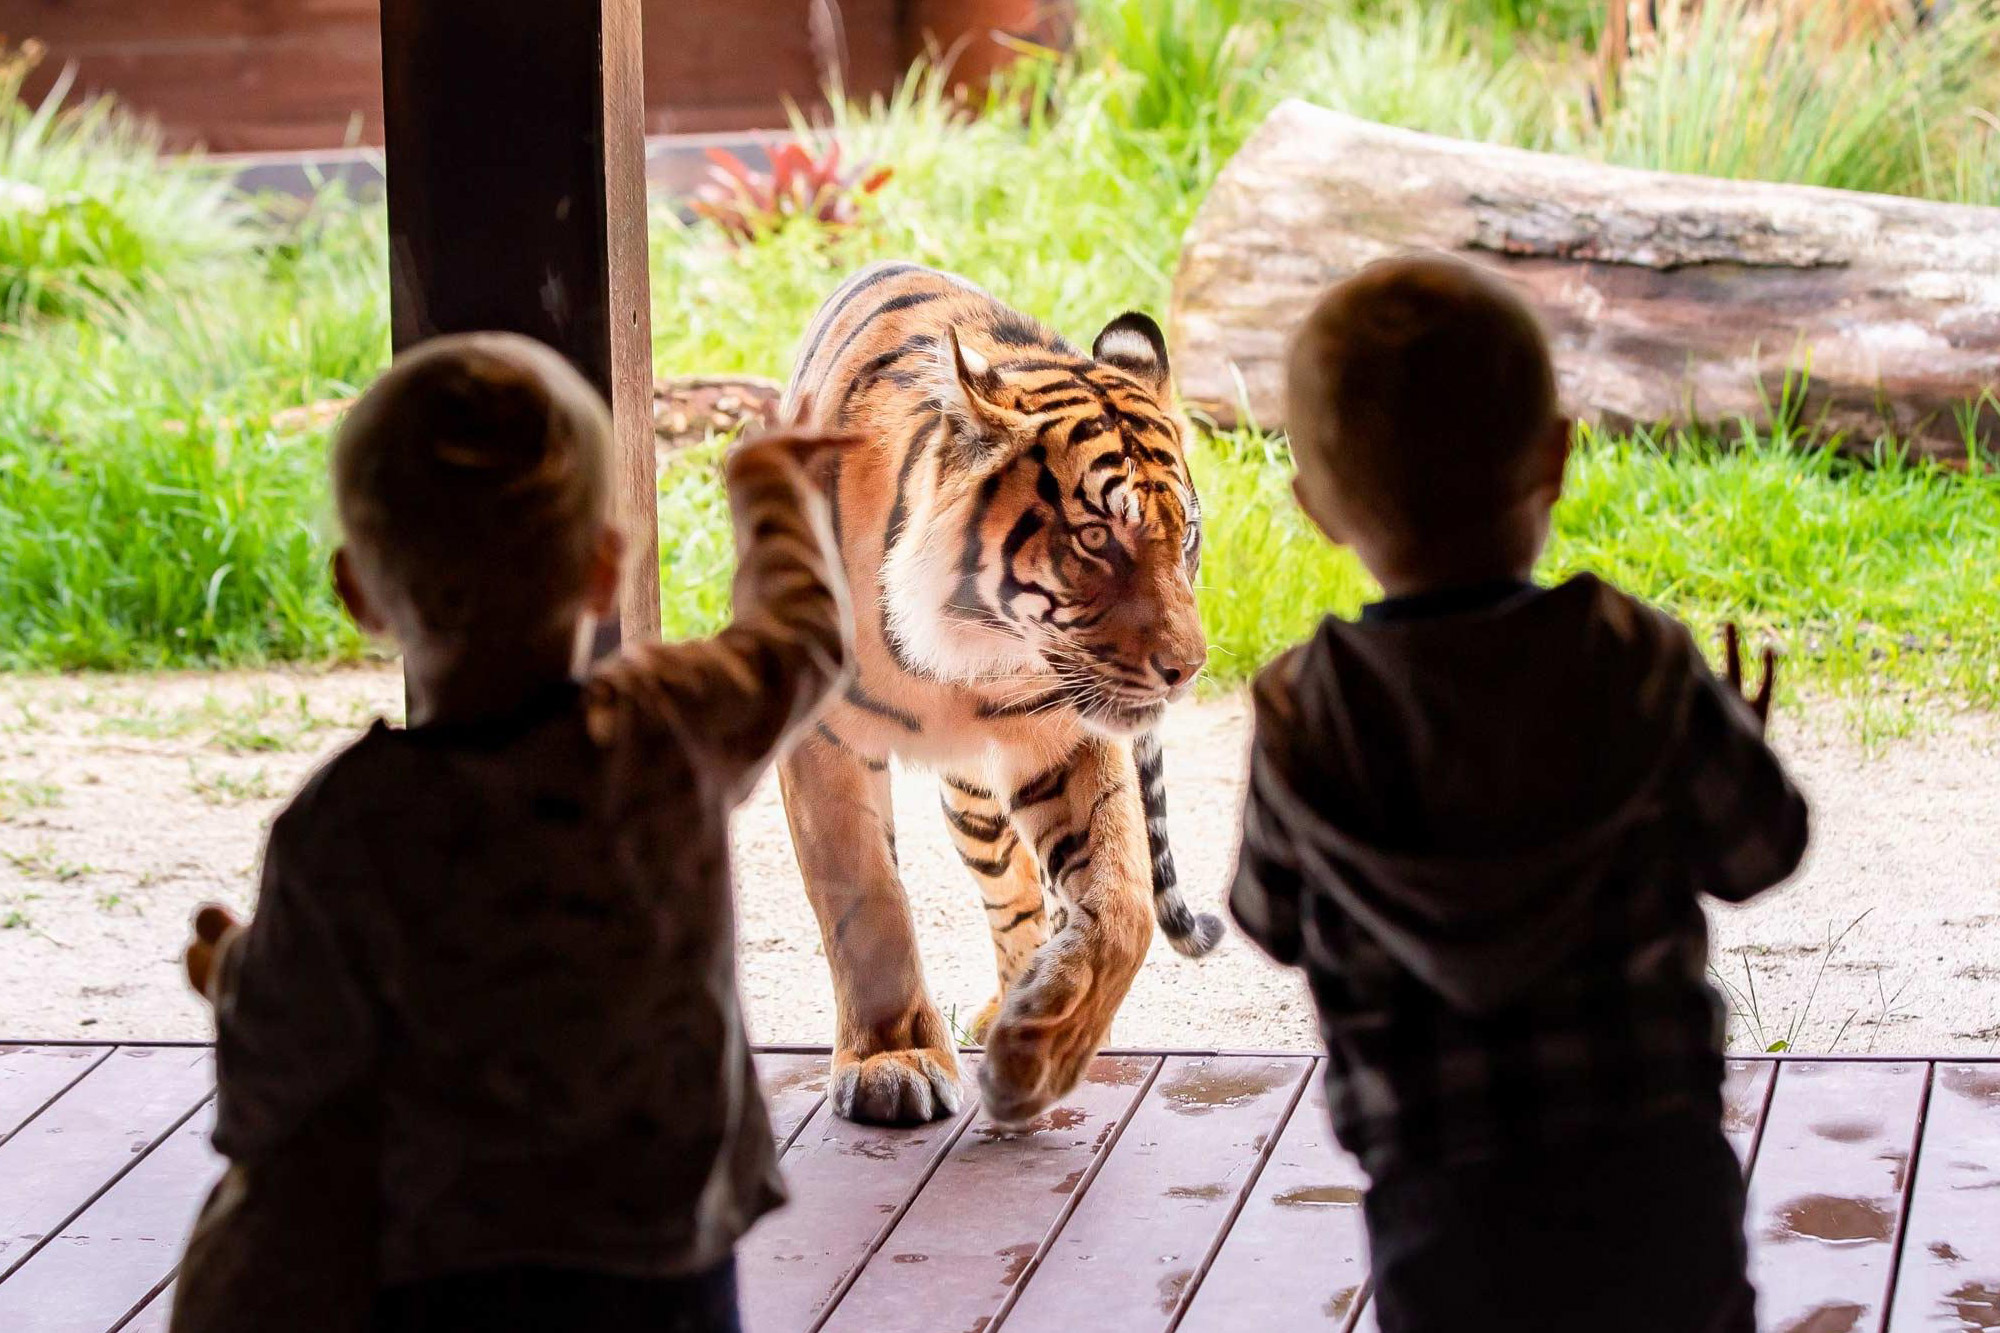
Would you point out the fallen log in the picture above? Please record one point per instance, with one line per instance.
(1669, 299)
(695, 408)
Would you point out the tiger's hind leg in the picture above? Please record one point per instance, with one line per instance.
(1010, 885)
(893, 1057)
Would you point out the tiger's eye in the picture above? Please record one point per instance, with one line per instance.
(1093, 537)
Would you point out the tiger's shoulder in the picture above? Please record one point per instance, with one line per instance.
(890, 324)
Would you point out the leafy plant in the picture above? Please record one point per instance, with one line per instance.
(150, 512)
(748, 204)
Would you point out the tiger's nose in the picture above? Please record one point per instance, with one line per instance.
(1177, 668)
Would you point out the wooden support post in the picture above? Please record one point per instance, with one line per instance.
(517, 201)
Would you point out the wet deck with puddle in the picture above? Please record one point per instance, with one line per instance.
(1183, 1192)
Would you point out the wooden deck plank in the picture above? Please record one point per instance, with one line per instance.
(849, 1184)
(110, 1259)
(1827, 1191)
(794, 1085)
(1747, 1091)
(32, 1076)
(1950, 1272)
(1298, 1254)
(69, 1152)
(1746, 1095)
(955, 1256)
(153, 1319)
(1147, 1222)
(1828, 1146)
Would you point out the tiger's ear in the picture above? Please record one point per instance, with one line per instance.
(1134, 344)
(972, 385)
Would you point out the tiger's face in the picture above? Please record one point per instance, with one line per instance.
(1071, 581)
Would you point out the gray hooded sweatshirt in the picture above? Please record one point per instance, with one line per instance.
(1482, 827)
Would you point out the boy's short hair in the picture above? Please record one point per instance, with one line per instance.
(473, 482)
(1421, 385)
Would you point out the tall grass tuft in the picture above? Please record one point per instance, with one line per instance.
(1732, 92)
(151, 512)
(86, 213)
(1424, 67)
(1057, 214)
(1195, 73)
(1974, 175)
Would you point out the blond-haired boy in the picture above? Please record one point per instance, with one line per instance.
(500, 940)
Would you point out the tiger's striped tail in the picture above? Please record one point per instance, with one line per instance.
(1190, 932)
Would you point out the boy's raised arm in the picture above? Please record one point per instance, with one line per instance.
(734, 698)
(1750, 824)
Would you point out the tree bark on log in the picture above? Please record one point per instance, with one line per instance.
(1669, 299)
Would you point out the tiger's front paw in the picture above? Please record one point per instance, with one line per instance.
(1027, 1072)
(910, 1087)
(1050, 1026)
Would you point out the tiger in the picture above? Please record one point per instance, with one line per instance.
(1021, 534)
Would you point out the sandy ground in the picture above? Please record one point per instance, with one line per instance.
(127, 800)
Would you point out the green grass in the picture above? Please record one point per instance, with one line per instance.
(156, 509)
(1063, 216)
(1431, 68)
(1876, 580)
(150, 513)
(18, 797)
(1782, 537)
(220, 787)
(266, 721)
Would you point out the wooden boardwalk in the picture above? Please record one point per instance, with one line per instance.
(1193, 1192)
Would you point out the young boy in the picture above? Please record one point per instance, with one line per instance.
(1481, 819)
(505, 933)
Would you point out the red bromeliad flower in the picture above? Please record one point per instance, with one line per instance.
(747, 203)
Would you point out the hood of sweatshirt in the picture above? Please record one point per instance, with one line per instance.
(1464, 785)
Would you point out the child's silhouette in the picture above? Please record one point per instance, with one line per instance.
(1481, 821)
(492, 971)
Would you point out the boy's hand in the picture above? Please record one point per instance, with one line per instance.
(1732, 669)
(211, 923)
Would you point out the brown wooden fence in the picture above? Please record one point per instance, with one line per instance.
(283, 75)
